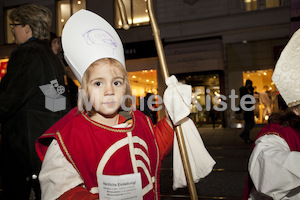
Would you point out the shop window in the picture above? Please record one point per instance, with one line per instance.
(144, 86)
(260, 4)
(3, 64)
(66, 8)
(143, 82)
(265, 94)
(136, 12)
(9, 38)
(250, 5)
(206, 93)
(272, 3)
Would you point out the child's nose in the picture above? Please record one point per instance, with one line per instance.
(109, 90)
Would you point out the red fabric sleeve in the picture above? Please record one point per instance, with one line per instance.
(78, 193)
(165, 136)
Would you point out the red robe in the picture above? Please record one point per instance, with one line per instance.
(84, 143)
(291, 136)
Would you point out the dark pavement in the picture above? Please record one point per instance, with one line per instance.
(227, 180)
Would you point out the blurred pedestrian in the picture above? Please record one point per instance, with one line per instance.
(256, 97)
(55, 43)
(23, 113)
(146, 105)
(56, 47)
(248, 115)
(274, 162)
(265, 99)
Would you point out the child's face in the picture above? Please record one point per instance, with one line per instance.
(106, 88)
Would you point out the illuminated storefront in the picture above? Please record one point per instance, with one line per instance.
(206, 88)
(265, 93)
(3, 64)
(199, 63)
(143, 82)
(144, 86)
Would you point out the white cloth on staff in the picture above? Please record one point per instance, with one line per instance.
(177, 99)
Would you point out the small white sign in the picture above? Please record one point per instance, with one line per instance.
(124, 187)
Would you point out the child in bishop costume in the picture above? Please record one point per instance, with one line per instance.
(94, 148)
(274, 162)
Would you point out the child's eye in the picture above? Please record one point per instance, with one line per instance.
(118, 83)
(98, 83)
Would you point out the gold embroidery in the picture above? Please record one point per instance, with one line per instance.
(129, 121)
(49, 134)
(110, 128)
(67, 152)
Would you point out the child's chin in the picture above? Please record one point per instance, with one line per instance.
(110, 112)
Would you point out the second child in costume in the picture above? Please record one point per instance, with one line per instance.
(98, 143)
(274, 163)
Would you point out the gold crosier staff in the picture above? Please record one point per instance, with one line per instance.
(163, 64)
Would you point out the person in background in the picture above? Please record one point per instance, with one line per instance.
(256, 97)
(248, 115)
(55, 43)
(94, 144)
(145, 107)
(23, 113)
(274, 162)
(265, 99)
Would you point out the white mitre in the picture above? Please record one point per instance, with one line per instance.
(86, 38)
(286, 75)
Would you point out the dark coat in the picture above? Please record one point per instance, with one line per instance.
(23, 115)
